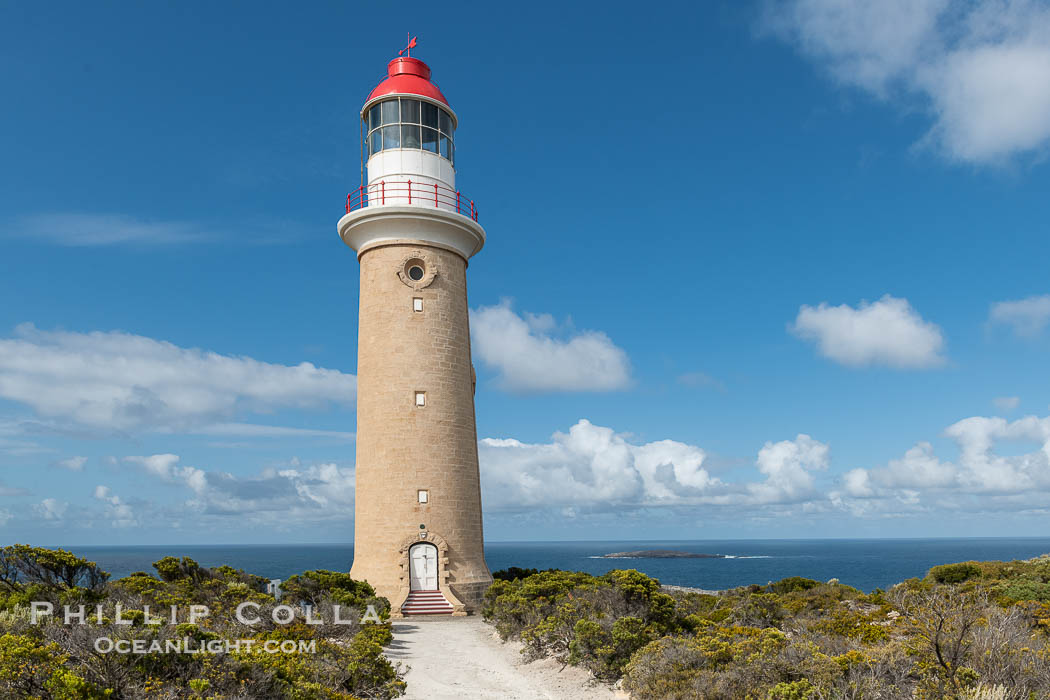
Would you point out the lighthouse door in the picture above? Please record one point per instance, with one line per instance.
(423, 568)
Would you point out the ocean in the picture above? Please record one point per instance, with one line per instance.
(863, 563)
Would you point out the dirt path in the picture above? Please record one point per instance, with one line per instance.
(454, 658)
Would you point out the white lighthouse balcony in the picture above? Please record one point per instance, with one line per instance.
(402, 210)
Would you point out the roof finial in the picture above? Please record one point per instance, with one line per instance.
(407, 51)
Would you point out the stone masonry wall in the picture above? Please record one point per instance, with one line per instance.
(401, 447)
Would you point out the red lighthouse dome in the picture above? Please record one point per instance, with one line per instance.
(407, 76)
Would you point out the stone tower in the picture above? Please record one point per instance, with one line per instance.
(417, 526)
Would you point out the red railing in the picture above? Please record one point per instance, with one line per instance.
(415, 193)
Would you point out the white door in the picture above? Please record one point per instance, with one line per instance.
(423, 575)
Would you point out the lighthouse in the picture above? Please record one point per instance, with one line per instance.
(417, 523)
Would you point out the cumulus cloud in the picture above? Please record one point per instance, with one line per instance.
(984, 476)
(166, 467)
(87, 230)
(918, 468)
(73, 464)
(529, 355)
(856, 483)
(789, 466)
(1027, 317)
(295, 494)
(888, 332)
(120, 382)
(119, 513)
(313, 493)
(593, 466)
(51, 509)
(981, 69)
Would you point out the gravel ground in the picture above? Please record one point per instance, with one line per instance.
(462, 657)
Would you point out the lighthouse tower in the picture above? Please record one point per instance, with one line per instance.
(417, 526)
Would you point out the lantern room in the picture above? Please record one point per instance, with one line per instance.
(409, 134)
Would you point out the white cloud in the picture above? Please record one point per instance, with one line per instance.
(5, 517)
(1007, 403)
(119, 381)
(73, 464)
(595, 467)
(857, 483)
(272, 498)
(529, 358)
(1028, 317)
(982, 478)
(981, 69)
(165, 467)
(888, 332)
(984, 471)
(83, 230)
(788, 466)
(918, 468)
(51, 509)
(119, 513)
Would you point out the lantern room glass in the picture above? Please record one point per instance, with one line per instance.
(403, 122)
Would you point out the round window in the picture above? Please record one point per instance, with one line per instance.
(417, 272)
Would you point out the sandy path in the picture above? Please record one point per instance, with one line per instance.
(462, 657)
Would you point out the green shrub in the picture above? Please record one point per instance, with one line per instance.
(795, 690)
(933, 638)
(53, 569)
(513, 573)
(605, 651)
(792, 584)
(52, 661)
(314, 586)
(172, 569)
(30, 669)
(954, 573)
(1026, 590)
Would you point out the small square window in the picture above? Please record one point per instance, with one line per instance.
(417, 304)
(424, 496)
(421, 398)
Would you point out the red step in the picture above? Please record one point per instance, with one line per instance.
(426, 603)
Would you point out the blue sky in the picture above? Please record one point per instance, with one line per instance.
(752, 270)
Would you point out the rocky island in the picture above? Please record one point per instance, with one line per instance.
(661, 554)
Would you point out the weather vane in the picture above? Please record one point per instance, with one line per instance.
(407, 51)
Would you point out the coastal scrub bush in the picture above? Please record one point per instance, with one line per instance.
(55, 661)
(171, 569)
(31, 669)
(52, 569)
(795, 690)
(719, 662)
(969, 630)
(954, 573)
(313, 586)
(512, 573)
(792, 584)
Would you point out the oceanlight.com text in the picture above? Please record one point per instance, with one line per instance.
(189, 645)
